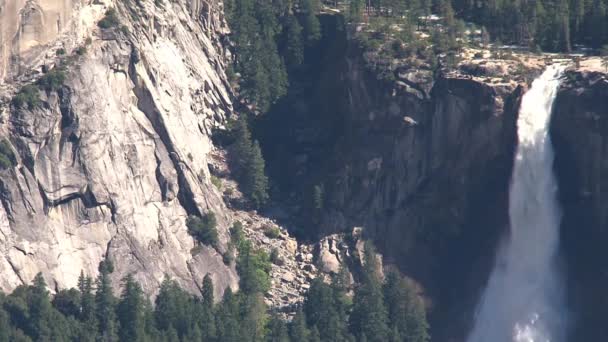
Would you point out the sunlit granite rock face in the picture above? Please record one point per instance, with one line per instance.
(112, 163)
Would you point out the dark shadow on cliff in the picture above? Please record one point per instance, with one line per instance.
(578, 131)
(326, 137)
(297, 135)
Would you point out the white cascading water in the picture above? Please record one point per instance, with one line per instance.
(523, 300)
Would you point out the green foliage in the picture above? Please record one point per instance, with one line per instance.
(52, 80)
(298, 331)
(277, 330)
(406, 312)
(204, 229)
(272, 232)
(255, 28)
(275, 258)
(7, 157)
(369, 317)
(105, 303)
(237, 236)
(110, 19)
(60, 52)
(295, 47)
(130, 312)
(28, 95)
(326, 310)
(216, 181)
(250, 165)
(242, 145)
(29, 313)
(256, 182)
(174, 309)
(207, 322)
(355, 10)
(312, 27)
(254, 269)
(81, 50)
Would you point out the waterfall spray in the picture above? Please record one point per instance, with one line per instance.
(523, 301)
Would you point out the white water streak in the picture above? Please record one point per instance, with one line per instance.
(523, 301)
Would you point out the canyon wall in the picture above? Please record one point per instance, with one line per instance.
(580, 135)
(113, 162)
(421, 162)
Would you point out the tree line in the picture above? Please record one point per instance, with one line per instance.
(379, 310)
(269, 39)
(551, 25)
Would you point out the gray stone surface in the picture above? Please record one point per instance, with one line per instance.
(112, 163)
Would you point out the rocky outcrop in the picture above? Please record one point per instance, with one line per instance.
(420, 159)
(426, 174)
(579, 131)
(416, 161)
(112, 163)
(30, 29)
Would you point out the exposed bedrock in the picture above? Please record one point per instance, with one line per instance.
(112, 163)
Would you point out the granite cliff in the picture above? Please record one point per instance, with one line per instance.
(112, 162)
(579, 134)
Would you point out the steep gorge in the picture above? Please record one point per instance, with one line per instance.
(112, 163)
(422, 163)
(579, 134)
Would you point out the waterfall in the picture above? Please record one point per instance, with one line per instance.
(523, 300)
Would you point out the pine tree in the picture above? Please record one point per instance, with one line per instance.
(369, 316)
(40, 310)
(131, 312)
(298, 331)
(256, 182)
(295, 48)
(326, 311)
(207, 322)
(196, 335)
(312, 27)
(563, 18)
(355, 10)
(174, 308)
(228, 327)
(597, 27)
(171, 335)
(105, 303)
(253, 268)
(242, 144)
(406, 313)
(67, 302)
(4, 325)
(315, 336)
(248, 160)
(578, 16)
(276, 71)
(277, 330)
(87, 308)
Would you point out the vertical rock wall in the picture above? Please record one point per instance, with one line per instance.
(112, 163)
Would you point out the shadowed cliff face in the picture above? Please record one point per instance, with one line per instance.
(426, 174)
(580, 135)
(111, 164)
(422, 163)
